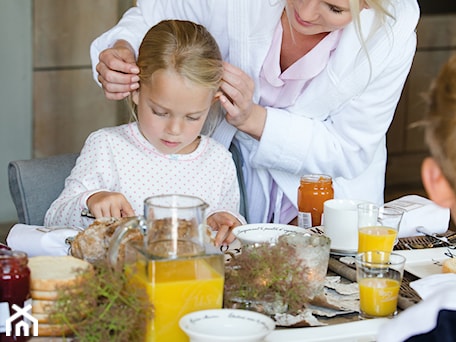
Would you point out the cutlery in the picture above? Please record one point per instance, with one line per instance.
(318, 230)
(419, 242)
(87, 213)
(53, 228)
(417, 245)
(443, 239)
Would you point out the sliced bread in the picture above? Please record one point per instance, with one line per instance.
(42, 306)
(46, 329)
(49, 273)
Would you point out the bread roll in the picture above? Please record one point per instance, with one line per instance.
(49, 273)
(449, 265)
(92, 244)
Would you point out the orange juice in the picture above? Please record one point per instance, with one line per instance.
(376, 238)
(175, 288)
(378, 296)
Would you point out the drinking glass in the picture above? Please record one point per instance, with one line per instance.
(391, 217)
(377, 227)
(379, 276)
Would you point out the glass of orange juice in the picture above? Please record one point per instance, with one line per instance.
(379, 276)
(377, 227)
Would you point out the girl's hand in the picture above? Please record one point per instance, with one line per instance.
(237, 99)
(223, 223)
(117, 70)
(109, 204)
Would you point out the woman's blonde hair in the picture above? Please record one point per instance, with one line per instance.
(188, 49)
(440, 121)
(380, 8)
(381, 13)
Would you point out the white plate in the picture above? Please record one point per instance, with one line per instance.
(264, 232)
(359, 331)
(227, 325)
(343, 252)
(424, 262)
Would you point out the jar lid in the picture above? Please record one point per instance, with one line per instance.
(10, 254)
(313, 178)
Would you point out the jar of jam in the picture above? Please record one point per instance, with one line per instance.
(3, 246)
(313, 191)
(14, 289)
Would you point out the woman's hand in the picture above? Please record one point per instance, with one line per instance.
(223, 223)
(109, 204)
(237, 99)
(117, 70)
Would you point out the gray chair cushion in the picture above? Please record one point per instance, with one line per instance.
(35, 183)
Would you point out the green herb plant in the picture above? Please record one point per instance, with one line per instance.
(266, 273)
(103, 308)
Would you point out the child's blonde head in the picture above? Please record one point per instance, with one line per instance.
(440, 122)
(188, 49)
(185, 47)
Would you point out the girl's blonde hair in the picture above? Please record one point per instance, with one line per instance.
(188, 49)
(440, 121)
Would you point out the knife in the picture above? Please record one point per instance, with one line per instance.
(87, 213)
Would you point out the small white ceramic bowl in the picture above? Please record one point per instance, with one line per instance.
(264, 232)
(232, 325)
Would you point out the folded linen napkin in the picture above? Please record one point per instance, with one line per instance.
(37, 240)
(438, 292)
(420, 211)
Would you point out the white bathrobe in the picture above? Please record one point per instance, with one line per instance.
(336, 127)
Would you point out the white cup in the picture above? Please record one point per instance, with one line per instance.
(341, 224)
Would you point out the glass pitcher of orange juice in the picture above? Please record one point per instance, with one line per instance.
(171, 262)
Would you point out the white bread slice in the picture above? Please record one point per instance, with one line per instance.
(46, 329)
(48, 273)
(41, 317)
(42, 306)
(449, 265)
(44, 295)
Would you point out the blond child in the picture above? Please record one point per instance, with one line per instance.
(434, 318)
(163, 150)
(439, 170)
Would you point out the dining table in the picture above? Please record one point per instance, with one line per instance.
(349, 327)
(424, 252)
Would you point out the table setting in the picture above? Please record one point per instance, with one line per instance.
(328, 305)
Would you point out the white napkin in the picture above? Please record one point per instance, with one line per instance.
(35, 242)
(438, 292)
(436, 283)
(420, 211)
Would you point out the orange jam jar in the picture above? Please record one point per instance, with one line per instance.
(313, 191)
